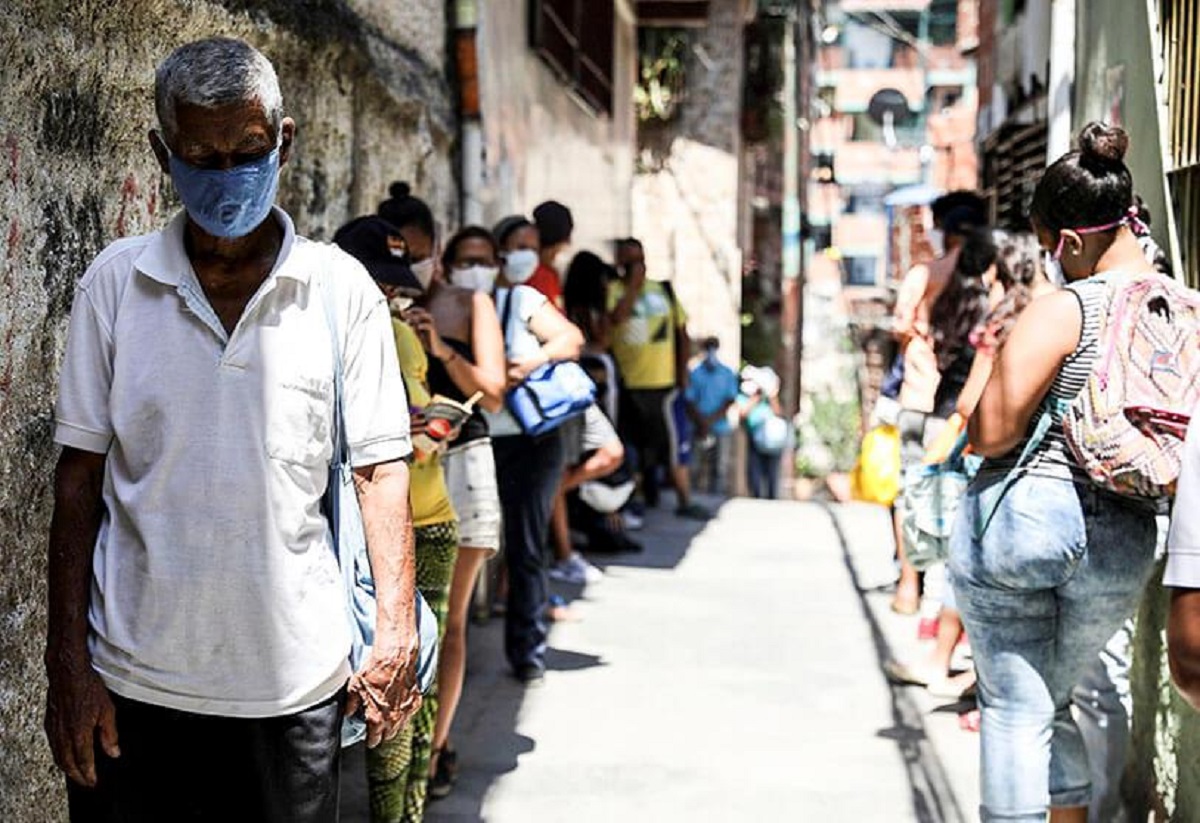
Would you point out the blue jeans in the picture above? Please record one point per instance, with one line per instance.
(762, 474)
(1054, 576)
(528, 470)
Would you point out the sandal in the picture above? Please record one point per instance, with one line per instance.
(445, 774)
(904, 675)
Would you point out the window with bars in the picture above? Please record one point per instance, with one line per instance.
(1014, 158)
(575, 38)
(1180, 26)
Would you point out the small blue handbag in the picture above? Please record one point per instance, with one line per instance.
(349, 541)
(552, 393)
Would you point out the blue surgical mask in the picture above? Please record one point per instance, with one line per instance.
(228, 202)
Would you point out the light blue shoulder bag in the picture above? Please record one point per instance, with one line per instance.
(349, 540)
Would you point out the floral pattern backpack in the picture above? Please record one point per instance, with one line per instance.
(1127, 425)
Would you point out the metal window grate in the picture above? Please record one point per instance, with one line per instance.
(1180, 26)
(575, 38)
(1013, 161)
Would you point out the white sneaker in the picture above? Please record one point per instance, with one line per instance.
(575, 571)
(632, 521)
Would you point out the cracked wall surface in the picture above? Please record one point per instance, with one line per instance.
(367, 86)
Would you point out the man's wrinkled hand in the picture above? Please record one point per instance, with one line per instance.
(78, 707)
(386, 690)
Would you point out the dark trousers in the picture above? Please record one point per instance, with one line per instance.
(179, 766)
(762, 474)
(529, 471)
(643, 423)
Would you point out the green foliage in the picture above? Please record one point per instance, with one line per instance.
(838, 424)
(662, 70)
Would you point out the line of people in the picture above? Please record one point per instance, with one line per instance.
(1053, 540)
(197, 650)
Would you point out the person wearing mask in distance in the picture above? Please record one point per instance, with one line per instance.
(413, 217)
(554, 226)
(461, 318)
(529, 468)
(712, 390)
(198, 643)
(397, 769)
(650, 344)
(520, 250)
(1045, 564)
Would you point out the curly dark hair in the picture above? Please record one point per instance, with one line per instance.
(1088, 187)
(964, 302)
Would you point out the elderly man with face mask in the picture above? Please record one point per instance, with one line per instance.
(198, 640)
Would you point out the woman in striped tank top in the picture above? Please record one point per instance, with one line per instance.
(1046, 565)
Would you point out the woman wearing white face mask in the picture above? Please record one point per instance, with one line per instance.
(529, 468)
(460, 315)
(521, 250)
(458, 327)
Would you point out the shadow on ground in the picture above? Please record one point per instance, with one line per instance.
(492, 700)
(933, 796)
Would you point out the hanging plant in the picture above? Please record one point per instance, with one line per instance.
(662, 71)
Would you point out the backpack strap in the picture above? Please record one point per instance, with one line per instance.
(506, 316)
(1040, 429)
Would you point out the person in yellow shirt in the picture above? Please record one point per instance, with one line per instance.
(398, 769)
(650, 345)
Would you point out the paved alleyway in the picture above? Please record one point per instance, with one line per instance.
(730, 673)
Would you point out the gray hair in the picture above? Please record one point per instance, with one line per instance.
(216, 71)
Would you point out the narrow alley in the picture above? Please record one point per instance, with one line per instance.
(729, 673)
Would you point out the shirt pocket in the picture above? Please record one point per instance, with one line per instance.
(299, 414)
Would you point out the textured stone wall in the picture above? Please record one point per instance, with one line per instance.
(365, 81)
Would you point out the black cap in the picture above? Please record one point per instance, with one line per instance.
(554, 222)
(380, 247)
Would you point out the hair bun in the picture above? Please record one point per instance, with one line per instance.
(400, 190)
(1103, 145)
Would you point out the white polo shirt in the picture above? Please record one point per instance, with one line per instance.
(214, 587)
(1183, 541)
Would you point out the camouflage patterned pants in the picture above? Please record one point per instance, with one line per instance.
(397, 770)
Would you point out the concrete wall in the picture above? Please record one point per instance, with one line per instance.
(364, 80)
(1114, 81)
(686, 195)
(542, 142)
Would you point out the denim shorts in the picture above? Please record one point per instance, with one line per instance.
(1054, 575)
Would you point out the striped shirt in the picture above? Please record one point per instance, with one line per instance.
(1052, 457)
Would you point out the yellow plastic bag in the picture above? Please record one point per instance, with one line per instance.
(876, 476)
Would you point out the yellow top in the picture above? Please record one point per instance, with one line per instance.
(427, 495)
(644, 345)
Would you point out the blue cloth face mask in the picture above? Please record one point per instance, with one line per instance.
(228, 202)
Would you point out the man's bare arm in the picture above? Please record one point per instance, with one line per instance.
(1183, 643)
(77, 703)
(387, 684)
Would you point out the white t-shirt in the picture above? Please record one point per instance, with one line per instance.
(519, 341)
(1183, 542)
(214, 587)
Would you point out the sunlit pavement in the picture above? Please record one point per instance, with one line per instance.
(729, 673)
